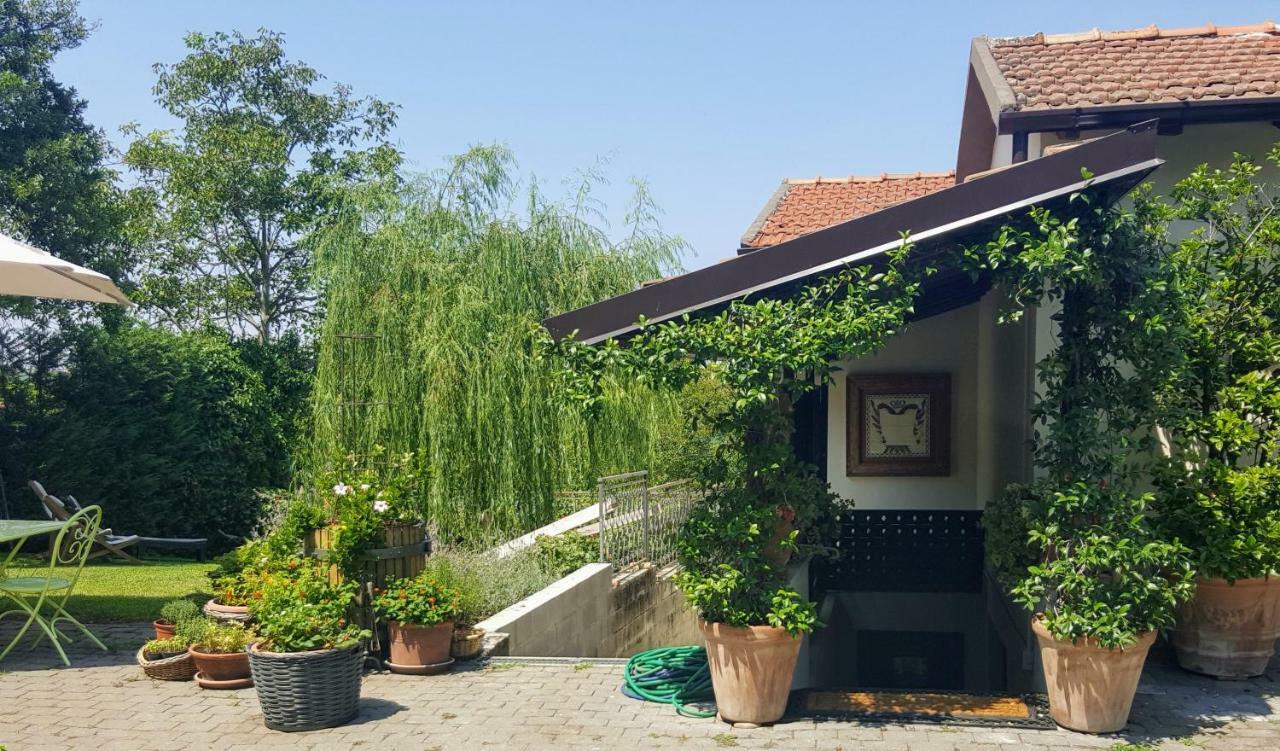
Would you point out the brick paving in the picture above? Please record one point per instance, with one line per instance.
(104, 703)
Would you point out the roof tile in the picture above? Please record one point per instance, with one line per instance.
(1140, 65)
(809, 205)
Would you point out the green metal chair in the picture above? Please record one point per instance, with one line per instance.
(43, 599)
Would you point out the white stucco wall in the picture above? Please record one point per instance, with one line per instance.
(988, 369)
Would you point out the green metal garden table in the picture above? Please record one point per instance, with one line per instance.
(18, 531)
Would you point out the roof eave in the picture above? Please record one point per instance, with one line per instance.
(1100, 117)
(1121, 159)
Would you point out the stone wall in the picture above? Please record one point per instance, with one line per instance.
(592, 613)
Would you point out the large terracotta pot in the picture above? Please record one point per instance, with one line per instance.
(415, 647)
(1229, 630)
(1090, 687)
(751, 670)
(217, 666)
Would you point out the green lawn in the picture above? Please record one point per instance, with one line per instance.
(130, 591)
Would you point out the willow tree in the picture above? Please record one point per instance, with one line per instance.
(434, 289)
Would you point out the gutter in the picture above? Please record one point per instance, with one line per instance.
(1171, 115)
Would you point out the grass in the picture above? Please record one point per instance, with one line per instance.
(128, 591)
(725, 740)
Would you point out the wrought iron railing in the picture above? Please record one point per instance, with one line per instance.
(638, 522)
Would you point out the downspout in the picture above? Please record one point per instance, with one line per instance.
(1020, 141)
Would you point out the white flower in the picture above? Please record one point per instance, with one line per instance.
(381, 506)
(364, 486)
(341, 489)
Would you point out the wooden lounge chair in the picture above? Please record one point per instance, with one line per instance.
(107, 542)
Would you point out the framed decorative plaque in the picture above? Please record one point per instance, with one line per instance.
(898, 425)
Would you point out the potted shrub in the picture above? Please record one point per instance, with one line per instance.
(220, 653)
(462, 571)
(307, 663)
(173, 613)
(166, 659)
(1219, 489)
(1104, 583)
(419, 614)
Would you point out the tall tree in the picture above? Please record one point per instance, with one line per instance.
(226, 203)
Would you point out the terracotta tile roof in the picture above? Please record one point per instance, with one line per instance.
(1142, 65)
(799, 207)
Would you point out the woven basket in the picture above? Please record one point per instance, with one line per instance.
(307, 690)
(177, 668)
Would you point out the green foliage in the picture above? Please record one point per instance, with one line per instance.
(218, 638)
(170, 433)
(1006, 534)
(1100, 571)
(299, 610)
(560, 555)
(762, 503)
(361, 498)
(176, 612)
(225, 204)
(420, 601)
(485, 583)
(1103, 573)
(434, 290)
(1219, 489)
(160, 648)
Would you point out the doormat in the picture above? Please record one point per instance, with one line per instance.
(940, 707)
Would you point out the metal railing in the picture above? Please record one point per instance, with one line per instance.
(640, 523)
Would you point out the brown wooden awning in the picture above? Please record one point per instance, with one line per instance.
(1116, 162)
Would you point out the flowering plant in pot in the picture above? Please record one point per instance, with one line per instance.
(762, 502)
(1218, 490)
(237, 579)
(307, 662)
(419, 614)
(220, 652)
(172, 614)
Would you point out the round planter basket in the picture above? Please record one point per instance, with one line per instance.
(307, 690)
(1229, 630)
(751, 670)
(226, 613)
(179, 667)
(467, 643)
(1090, 687)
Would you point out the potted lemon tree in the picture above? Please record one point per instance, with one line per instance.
(307, 663)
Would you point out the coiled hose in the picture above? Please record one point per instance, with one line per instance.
(672, 675)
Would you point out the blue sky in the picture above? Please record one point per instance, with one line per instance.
(711, 102)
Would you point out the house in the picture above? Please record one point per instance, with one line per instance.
(909, 605)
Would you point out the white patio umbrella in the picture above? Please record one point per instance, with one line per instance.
(31, 272)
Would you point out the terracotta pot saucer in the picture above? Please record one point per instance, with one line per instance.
(433, 669)
(233, 683)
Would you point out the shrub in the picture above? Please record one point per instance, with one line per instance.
(1007, 534)
(485, 583)
(176, 612)
(299, 610)
(420, 601)
(560, 555)
(169, 433)
(220, 638)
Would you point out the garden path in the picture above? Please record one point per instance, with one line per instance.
(104, 702)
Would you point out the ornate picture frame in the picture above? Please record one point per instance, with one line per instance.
(898, 425)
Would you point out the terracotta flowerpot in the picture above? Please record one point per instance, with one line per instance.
(467, 643)
(226, 613)
(1090, 687)
(751, 670)
(1229, 630)
(220, 667)
(418, 646)
(163, 630)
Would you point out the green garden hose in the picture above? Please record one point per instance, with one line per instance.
(671, 675)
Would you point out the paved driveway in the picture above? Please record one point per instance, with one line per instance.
(104, 703)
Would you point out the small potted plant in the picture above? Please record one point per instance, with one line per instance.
(419, 614)
(307, 661)
(468, 640)
(220, 653)
(166, 659)
(172, 614)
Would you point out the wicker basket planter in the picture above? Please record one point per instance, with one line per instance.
(307, 690)
(467, 643)
(179, 667)
(226, 613)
